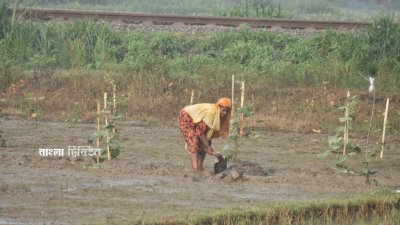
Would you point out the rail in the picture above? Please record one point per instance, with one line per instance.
(162, 19)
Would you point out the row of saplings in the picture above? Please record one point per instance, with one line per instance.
(106, 136)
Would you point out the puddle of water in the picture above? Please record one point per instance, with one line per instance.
(131, 182)
(42, 189)
(69, 189)
(92, 185)
(6, 221)
(108, 183)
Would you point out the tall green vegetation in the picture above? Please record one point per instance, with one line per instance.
(84, 44)
(333, 56)
(263, 59)
(5, 18)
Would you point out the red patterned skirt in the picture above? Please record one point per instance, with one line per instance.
(191, 131)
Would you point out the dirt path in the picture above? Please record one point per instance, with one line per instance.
(152, 179)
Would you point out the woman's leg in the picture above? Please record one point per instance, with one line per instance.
(187, 128)
(194, 159)
(201, 155)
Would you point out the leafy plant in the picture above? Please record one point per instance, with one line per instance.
(33, 105)
(340, 143)
(2, 142)
(300, 51)
(166, 44)
(2, 139)
(343, 146)
(77, 112)
(108, 135)
(367, 173)
(348, 145)
(230, 149)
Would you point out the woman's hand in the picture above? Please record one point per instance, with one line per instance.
(205, 144)
(207, 147)
(210, 150)
(217, 155)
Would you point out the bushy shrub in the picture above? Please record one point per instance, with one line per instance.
(278, 58)
(166, 44)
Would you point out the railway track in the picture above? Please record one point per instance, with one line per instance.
(162, 19)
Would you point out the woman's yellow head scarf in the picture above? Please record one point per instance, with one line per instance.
(210, 115)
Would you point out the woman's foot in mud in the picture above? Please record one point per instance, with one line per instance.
(197, 176)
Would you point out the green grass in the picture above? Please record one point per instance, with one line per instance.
(381, 207)
(280, 58)
(156, 60)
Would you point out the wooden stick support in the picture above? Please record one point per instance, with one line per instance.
(346, 125)
(241, 122)
(98, 131)
(106, 124)
(370, 123)
(345, 131)
(233, 95)
(384, 127)
(114, 111)
(191, 97)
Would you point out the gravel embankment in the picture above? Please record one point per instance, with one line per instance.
(203, 29)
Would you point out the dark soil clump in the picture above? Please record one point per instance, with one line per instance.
(240, 169)
(248, 168)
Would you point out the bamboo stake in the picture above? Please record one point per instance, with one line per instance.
(346, 125)
(191, 97)
(106, 124)
(114, 107)
(384, 127)
(233, 93)
(325, 91)
(370, 122)
(241, 114)
(98, 131)
(345, 131)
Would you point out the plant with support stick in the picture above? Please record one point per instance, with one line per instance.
(341, 143)
(106, 135)
(367, 172)
(230, 149)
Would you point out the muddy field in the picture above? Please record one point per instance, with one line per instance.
(152, 178)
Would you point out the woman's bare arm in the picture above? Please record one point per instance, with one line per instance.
(207, 147)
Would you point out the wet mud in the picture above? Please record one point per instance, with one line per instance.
(152, 178)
